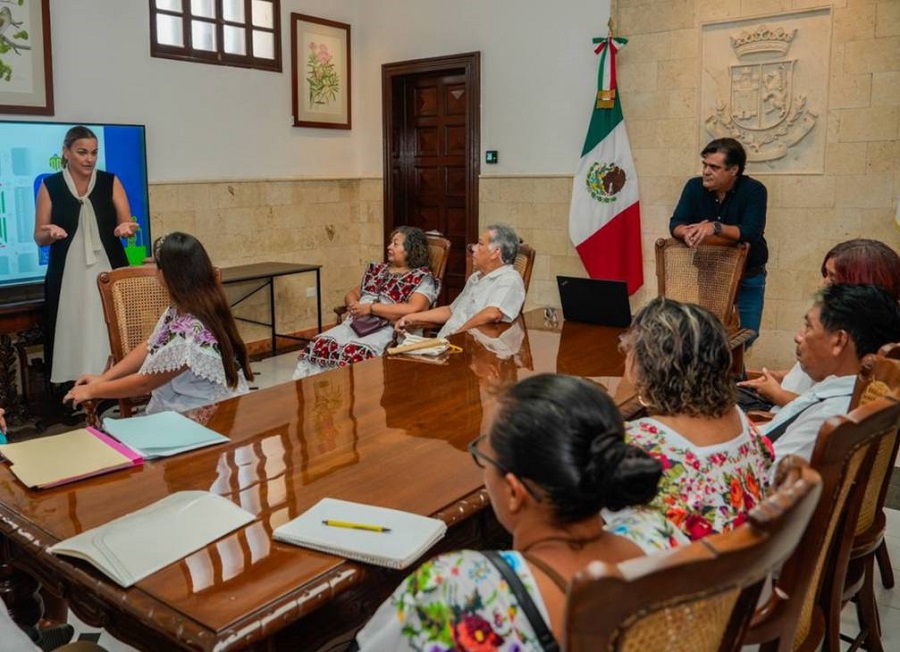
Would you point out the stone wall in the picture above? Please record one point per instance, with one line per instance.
(857, 196)
(336, 223)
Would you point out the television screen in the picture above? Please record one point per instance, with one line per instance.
(31, 151)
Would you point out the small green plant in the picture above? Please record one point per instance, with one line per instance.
(323, 79)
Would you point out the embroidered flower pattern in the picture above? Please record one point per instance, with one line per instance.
(705, 491)
(378, 285)
(456, 602)
(184, 326)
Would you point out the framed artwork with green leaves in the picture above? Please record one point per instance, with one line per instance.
(26, 67)
(320, 63)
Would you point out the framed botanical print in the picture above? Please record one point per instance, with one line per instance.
(26, 68)
(320, 64)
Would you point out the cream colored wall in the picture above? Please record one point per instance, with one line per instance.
(333, 223)
(857, 195)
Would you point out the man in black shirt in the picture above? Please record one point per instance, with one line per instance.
(724, 203)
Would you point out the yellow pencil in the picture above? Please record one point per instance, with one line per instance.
(355, 526)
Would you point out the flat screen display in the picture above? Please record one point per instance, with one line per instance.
(31, 151)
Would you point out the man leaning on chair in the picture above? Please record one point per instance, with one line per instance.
(494, 293)
(726, 204)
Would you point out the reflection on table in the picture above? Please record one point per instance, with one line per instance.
(388, 431)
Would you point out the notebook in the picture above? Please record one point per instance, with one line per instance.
(162, 434)
(410, 535)
(594, 301)
(52, 461)
(136, 545)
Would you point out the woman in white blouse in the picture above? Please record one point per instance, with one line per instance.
(195, 355)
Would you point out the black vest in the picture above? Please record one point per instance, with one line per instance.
(64, 213)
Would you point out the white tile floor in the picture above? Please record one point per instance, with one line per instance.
(280, 368)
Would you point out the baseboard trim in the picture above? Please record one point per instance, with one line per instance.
(263, 348)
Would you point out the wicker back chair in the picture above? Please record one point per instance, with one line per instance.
(879, 377)
(438, 254)
(707, 275)
(699, 597)
(794, 618)
(133, 300)
(524, 262)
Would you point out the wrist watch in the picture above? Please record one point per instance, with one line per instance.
(717, 228)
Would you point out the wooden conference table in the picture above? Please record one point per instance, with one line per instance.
(390, 431)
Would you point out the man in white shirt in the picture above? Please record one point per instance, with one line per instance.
(846, 323)
(494, 293)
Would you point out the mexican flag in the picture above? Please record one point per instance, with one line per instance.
(605, 216)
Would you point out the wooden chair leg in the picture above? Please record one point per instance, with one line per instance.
(884, 565)
(867, 609)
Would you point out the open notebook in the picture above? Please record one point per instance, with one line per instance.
(162, 434)
(136, 545)
(52, 461)
(408, 538)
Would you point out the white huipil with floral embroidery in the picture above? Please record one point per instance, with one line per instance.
(181, 340)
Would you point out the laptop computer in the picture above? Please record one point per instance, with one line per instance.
(594, 301)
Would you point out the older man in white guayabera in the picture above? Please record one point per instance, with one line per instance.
(494, 293)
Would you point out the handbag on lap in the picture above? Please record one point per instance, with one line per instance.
(367, 325)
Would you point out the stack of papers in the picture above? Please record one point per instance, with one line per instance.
(377, 535)
(53, 461)
(162, 434)
(135, 546)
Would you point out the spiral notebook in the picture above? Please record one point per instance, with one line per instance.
(404, 537)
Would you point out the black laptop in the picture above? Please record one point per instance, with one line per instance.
(594, 301)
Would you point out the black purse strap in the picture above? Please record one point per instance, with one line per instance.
(774, 434)
(544, 635)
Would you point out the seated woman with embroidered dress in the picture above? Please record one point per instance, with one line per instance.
(387, 292)
(195, 355)
(554, 456)
(716, 462)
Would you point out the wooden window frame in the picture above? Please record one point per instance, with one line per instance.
(218, 57)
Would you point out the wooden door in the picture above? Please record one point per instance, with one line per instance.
(432, 153)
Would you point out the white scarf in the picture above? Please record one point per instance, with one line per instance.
(86, 217)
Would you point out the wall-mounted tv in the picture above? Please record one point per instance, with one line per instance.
(29, 152)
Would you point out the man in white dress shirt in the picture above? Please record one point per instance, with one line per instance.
(494, 293)
(846, 323)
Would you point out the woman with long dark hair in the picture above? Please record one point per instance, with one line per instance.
(195, 355)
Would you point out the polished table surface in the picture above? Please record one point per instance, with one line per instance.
(388, 431)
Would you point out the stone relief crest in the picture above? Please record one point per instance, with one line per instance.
(762, 109)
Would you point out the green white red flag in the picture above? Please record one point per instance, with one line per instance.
(605, 216)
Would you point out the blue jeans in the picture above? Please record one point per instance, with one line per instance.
(750, 299)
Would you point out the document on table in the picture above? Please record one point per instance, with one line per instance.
(162, 434)
(136, 545)
(52, 461)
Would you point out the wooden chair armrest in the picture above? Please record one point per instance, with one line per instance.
(339, 312)
(90, 413)
(753, 374)
(767, 624)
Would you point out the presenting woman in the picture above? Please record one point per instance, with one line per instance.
(401, 286)
(716, 465)
(81, 214)
(554, 457)
(195, 355)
